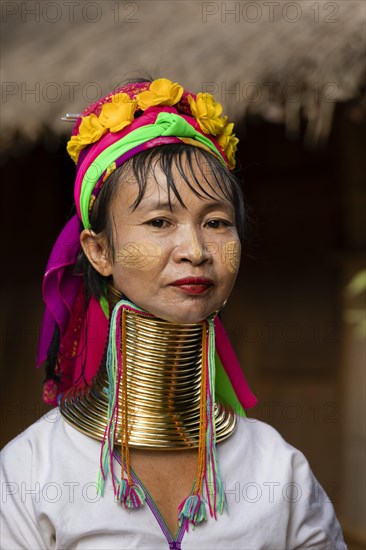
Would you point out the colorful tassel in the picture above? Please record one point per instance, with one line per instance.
(127, 493)
(193, 508)
(213, 481)
(135, 496)
(130, 496)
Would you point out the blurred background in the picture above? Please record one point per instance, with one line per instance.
(292, 75)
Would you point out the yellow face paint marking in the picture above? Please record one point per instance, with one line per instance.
(143, 255)
(230, 255)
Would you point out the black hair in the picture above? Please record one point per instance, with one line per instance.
(182, 157)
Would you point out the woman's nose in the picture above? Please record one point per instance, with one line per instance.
(191, 246)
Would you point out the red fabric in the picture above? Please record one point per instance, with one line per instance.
(232, 367)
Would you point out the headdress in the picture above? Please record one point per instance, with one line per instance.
(136, 117)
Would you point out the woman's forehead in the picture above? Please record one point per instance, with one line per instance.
(196, 183)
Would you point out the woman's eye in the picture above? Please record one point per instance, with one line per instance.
(158, 222)
(216, 224)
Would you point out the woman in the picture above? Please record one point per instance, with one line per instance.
(137, 359)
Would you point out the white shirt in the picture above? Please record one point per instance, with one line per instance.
(49, 500)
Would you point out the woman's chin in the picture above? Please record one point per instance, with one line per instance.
(181, 312)
(182, 316)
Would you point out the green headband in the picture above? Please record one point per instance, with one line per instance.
(166, 124)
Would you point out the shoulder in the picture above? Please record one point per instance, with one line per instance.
(260, 441)
(263, 469)
(39, 433)
(259, 451)
(49, 441)
(259, 433)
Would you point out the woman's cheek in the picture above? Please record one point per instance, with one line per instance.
(143, 255)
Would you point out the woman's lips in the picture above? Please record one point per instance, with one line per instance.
(193, 285)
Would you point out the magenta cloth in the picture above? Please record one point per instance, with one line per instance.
(60, 285)
(92, 343)
(232, 367)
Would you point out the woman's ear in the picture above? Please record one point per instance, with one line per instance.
(96, 250)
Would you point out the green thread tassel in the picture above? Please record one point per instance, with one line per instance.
(135, 497)
(215, 493)
(193, 508)
(128, 495)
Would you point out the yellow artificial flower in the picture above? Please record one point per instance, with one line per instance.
(228, 142)
(227, 130)
(119, 113)
(74, 147)
(161, 92)
(207, 112)
(231, 150)
(90, 130)
(224, 138)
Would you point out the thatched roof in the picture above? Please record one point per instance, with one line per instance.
(278, 59)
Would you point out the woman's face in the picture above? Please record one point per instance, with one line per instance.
(179, 264)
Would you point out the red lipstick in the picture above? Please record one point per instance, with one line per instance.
(193, 285)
